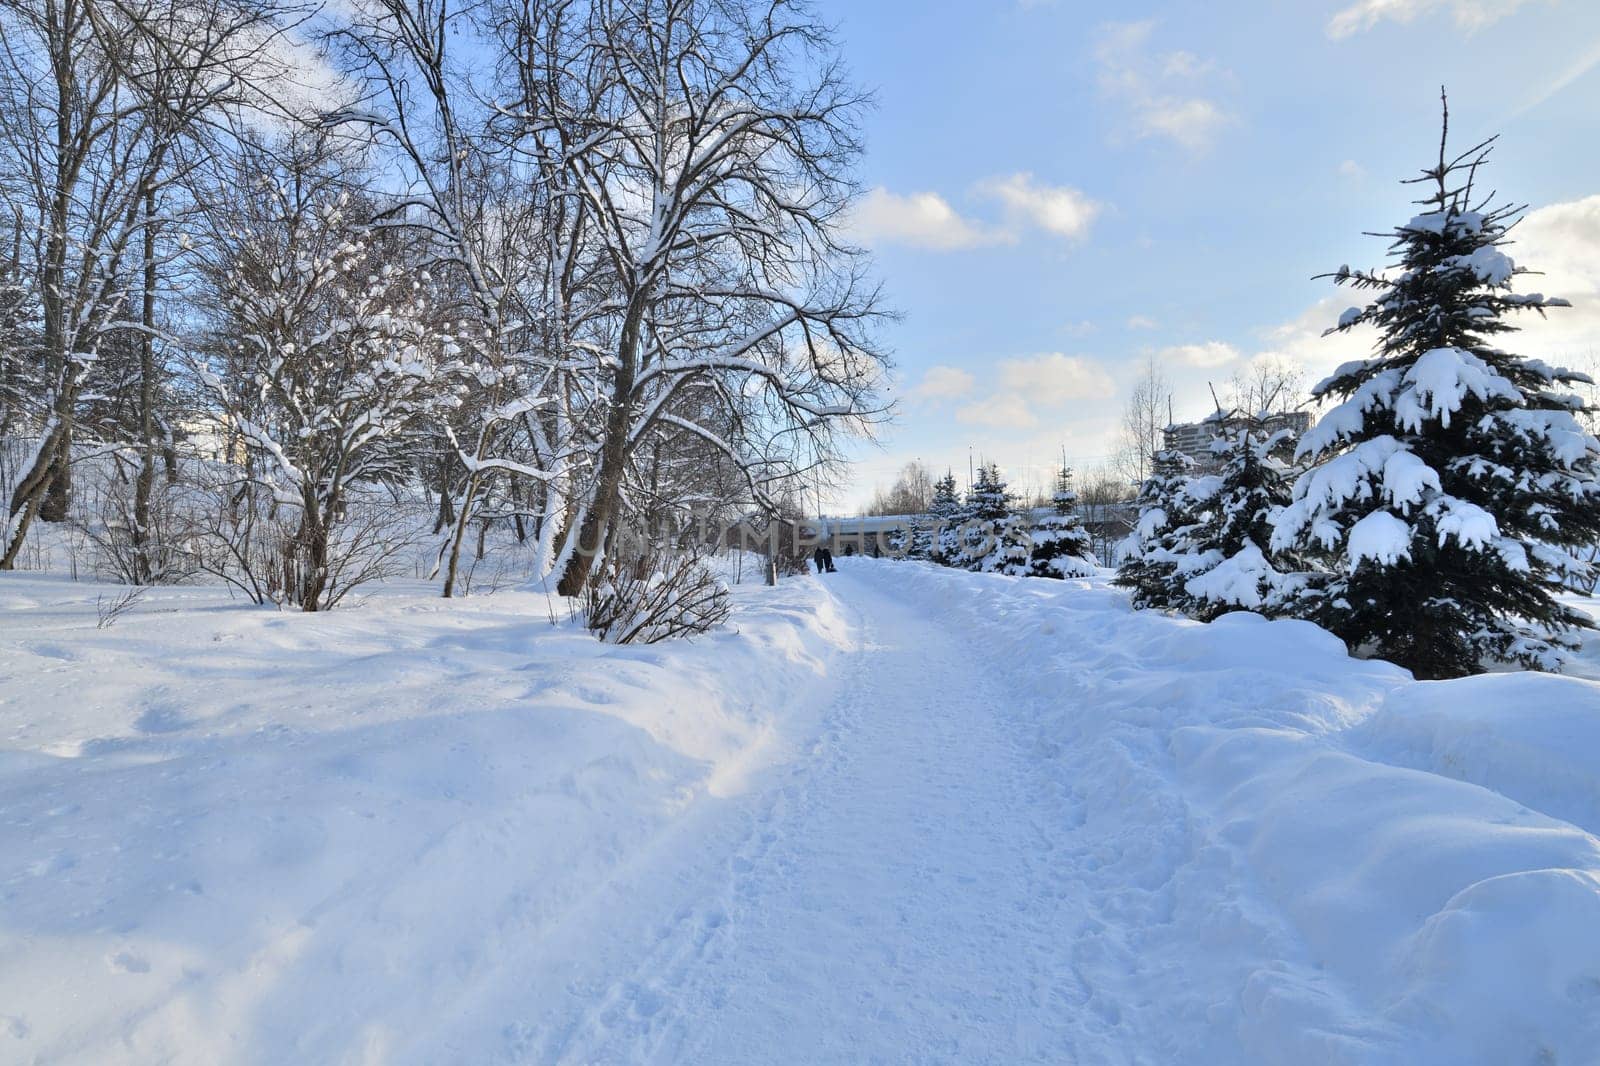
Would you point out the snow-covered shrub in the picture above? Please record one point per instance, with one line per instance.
(1159, 556)
(1454, 481)
(1231, 564)
(654, 597)
(992, 538)
(155, 552)
(1061, 547)
(939, 540)
(239, 532)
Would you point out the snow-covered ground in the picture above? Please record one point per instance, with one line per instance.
(900, 814)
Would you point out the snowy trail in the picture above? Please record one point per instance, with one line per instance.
(923, 885)
(894, 900)
(902, 814)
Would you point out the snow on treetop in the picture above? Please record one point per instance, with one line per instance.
(1343, 370)
(1203, 488)
(1487, 263)
(1237, 580)
(1439, 221)
(1568, 442)
(1151, 522)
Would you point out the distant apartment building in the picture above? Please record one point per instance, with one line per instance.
(1194, 438)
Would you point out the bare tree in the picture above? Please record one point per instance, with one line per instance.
(1148, 412)
(1104, 502)
(497, 236)
(1266, 386)
(911, 493)
(713, 159)
(95, 96)
(327, 360)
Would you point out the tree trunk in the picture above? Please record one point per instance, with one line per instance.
(53, 287)
(144, 570)
(313, 553)
(459, 536)
(447, 509)
(516, 512)
(613, 459)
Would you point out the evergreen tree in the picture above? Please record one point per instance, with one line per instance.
(1454, 479)
(1171, 513)
(1232, 566)
(1061, 546)
(993, 538)
(19, 341)
(938, 541)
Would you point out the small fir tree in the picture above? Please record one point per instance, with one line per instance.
(1171, 512)
(938, 540)
(1454, 479)
(994, 538)
(1061, 546)
(1233, 567)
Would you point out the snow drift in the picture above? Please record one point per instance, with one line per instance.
(237, 835)
(1424, 848)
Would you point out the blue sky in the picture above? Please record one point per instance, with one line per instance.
(1056, 194)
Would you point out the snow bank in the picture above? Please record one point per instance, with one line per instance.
(1408, 867)
(1534, 738)
(233, 834)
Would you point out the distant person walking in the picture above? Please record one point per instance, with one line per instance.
(824, 560)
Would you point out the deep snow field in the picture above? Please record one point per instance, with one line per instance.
(897, 814)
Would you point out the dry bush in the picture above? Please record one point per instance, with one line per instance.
(656, 597)
(254, 541)
(157, 554)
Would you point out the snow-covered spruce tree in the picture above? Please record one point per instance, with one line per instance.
(1171, 510)
(945, 514)
(1061, 545)
(1454, 478)
(1232, 566)
(993, 538)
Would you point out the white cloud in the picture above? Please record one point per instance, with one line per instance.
(1165, 94)
(1052, 379)
(1562, 241)
(926, 219)
(1056, 209)
(1141, 322)
(1003, 410)
(1468, 14)
(1352, 170)
(1034, 383)
(1205, 355)
(943, 383)
(1300, 341)
(1564, 78)
(1192, 123)
(920, 220)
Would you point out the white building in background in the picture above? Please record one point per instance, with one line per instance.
(1194, 438)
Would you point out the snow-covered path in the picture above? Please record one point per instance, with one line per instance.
(901, 814)
(923, 885)
(895, 898)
